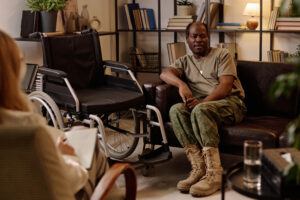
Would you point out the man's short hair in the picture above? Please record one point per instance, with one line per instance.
(187, 30)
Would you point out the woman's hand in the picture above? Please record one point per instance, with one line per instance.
(64, 148)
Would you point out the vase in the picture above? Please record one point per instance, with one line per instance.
(184, 10)
(48, 21)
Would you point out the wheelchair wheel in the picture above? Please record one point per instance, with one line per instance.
(120, 145)
(45, 106)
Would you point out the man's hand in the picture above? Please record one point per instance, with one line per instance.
(64, 148)
(185, 92)
(192, 102)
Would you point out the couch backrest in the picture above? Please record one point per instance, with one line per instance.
(257, 78)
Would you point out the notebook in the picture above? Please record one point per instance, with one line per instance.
(84, 142)
(27, 83)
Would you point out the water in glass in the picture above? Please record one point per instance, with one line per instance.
(252, 164)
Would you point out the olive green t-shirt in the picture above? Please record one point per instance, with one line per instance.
(202, 75)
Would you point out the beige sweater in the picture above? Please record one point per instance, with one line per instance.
(75, 173)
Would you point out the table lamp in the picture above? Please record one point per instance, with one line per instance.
(252, 9)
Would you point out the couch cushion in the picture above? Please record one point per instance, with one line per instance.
(256, 79)
(264, 128)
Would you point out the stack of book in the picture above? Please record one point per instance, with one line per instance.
(277, 56)
(288, 23)
(176, 50)
(139, 18)
(229, 26)
(180, 22)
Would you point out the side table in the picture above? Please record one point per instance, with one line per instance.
(234, 179)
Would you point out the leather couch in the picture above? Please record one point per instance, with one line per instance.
(266, 120)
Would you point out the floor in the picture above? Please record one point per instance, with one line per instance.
(161, 182)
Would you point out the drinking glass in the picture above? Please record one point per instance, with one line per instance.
(252, 164)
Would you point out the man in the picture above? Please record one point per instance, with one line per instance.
(212, 96)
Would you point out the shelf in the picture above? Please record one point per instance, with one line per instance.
(252, 31)
(234, 30)
(156, 30)
(101, 33)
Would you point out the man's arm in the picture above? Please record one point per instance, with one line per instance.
(171, 76)
(220, 92)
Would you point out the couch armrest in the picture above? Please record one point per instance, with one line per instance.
(150, 90)
(166, 96)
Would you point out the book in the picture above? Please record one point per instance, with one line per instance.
(288, 28)
(84, 142)
(200, 11)
(176, 28)
(288, 18)
(274, 18)
(181, 20)
(213, 14)
(147, 19)
(176, 50)
(183, 17)
(228, 24)
(287, 23)
(151, 19)
(183, 24)
(171, 61)
(137, 19)
(131, 7)
(29, 78)
(231, 48)
(230, 27)
(130, 27)
(142, 14)
(141, 57)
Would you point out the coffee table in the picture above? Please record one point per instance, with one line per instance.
(234, 179)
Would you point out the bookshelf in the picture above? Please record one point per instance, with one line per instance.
(159, 31)
(259, 30)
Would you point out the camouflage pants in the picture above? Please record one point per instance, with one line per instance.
(200, 125)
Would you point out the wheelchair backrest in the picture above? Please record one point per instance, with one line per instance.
(77, 55)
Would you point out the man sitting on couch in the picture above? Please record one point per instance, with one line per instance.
(212, 96)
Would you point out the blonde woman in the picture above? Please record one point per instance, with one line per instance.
(15, 110)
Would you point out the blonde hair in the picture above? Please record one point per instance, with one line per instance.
(12, 96)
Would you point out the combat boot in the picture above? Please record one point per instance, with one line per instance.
(212, 181)
(195, 157)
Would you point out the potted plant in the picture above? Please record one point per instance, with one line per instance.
(48, 12)
(184, 7)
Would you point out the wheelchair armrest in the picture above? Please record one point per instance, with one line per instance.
(118, 67)
(166, 96)
(52, 72)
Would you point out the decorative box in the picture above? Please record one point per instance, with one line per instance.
(273, 165)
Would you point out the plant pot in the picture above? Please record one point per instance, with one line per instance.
(184, 10)
(48, 20)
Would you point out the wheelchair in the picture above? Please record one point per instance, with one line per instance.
(75, 89)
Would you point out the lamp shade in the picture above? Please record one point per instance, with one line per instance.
(251, 9)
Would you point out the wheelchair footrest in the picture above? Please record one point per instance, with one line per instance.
(161, 154)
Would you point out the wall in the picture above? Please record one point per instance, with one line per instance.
(247, 43)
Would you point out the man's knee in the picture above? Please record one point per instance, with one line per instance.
(201, 109)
